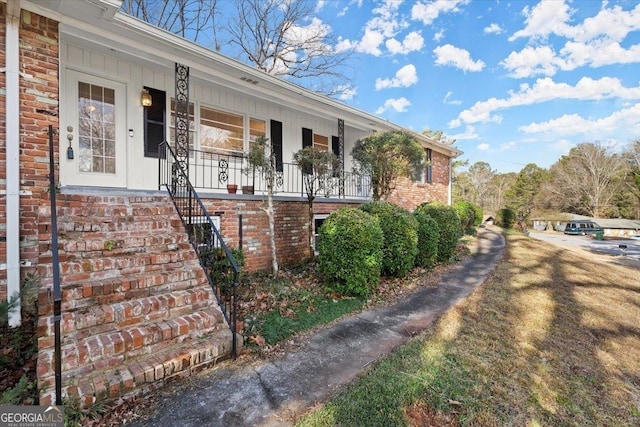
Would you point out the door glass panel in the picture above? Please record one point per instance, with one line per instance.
(97, 129)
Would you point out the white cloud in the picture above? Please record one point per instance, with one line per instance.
(469, 133)
(574, 124)
(438, 36)
(400, 105)
(507, 146)
(545, 18)
(446, 99)
(405, 77)
(483, 147)
(427, 12)
(562, 145)
(493, 29)
(594, 42)
(412, 42)
(597, 54)
(531, 61)
(545, 90)
(346, 92)
(613, 24)
(456, 57)
(382, 29)
(370, 43)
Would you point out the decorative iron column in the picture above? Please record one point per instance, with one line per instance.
(181, 139)
(341, 156)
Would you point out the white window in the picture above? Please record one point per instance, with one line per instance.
(321, 142)
(221, 132)
(318, 220)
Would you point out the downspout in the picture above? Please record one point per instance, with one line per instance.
(12, 179)
(450, 190)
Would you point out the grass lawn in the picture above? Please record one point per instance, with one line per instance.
(551, 339)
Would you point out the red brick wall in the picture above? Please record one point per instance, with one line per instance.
(291, 222)
(3, 166)
(409, 194)
(38, 108)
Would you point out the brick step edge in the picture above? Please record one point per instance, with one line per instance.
(146, 373)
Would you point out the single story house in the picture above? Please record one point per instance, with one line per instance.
(107, 90)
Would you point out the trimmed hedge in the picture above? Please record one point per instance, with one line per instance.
(350, 252)
(467, 215)
(428, 232)
(505, 218)
(449, 224)
(400, 231)
(479, 215)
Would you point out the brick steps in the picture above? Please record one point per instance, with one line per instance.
(137, 307)
(138, 375)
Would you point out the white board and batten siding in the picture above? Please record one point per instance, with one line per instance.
(142, 172)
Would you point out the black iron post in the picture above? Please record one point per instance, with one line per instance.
(57, 294)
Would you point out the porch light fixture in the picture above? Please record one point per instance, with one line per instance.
(145, 98)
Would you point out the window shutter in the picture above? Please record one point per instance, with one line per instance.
(154, 122)
(335, 149)
(429, 169)
(307, 138)
(276, 143)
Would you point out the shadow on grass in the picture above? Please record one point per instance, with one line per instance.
(551, 338)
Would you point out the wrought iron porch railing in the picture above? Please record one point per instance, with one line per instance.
(213, 171)
(218, 262)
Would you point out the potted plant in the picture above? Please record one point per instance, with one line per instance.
(256, 159)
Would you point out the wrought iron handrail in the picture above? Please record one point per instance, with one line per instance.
(218, 262)
(210, 170)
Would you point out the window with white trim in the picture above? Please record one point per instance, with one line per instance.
(318, 220)
(221, 132)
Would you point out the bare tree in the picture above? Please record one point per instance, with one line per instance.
(192, 19)
(499, 185)
(480, 176)
(587, 178)
(280, 38)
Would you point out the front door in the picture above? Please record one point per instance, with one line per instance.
(95, 128)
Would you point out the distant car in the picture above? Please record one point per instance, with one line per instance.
(582, 227)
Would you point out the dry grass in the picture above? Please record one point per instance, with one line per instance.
(551, 339)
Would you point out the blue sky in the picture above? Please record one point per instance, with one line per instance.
(514, 82)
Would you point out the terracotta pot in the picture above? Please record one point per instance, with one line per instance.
(247, 189)
(232, 188)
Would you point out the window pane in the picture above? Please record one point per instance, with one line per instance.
(221, 131)
(321, 142)
(96, 121)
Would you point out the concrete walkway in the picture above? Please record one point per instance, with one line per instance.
(274, 392)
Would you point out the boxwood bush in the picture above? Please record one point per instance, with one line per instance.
(467, 215)
(505, 218)
(350, 252)
(479, 215)
(428, 232)
(400, 231)
(449, 224)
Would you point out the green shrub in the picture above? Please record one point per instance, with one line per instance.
(505, 218)
(428, 232)
(478, 214)
(400, 231)
(449, 225)
(467, 215)
(221, 270)
(350, 252)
